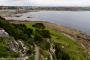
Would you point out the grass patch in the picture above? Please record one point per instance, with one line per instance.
(71, 47)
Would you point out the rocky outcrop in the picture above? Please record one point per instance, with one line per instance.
(18, 46)
(3, 33)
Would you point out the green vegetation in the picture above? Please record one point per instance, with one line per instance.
(36, 34)
(4, 50)
(71, 47)
(67, 47)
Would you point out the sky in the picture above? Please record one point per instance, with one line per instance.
(45, 2)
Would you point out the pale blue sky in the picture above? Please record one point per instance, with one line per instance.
(45, 2)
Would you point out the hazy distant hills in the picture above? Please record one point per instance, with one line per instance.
(62, 8)
(47, 8)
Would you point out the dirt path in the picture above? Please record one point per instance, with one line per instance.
(37, 53)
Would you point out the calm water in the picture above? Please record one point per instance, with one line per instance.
(75, 19)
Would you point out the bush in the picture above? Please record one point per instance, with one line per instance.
(39, 25)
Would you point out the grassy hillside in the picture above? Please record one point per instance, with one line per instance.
(49, 43)
(71, 47)
(68, 45)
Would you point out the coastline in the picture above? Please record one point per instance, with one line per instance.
(13, 12)
(74, 34)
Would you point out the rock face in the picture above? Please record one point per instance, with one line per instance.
(18, 46)
(3, 33)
